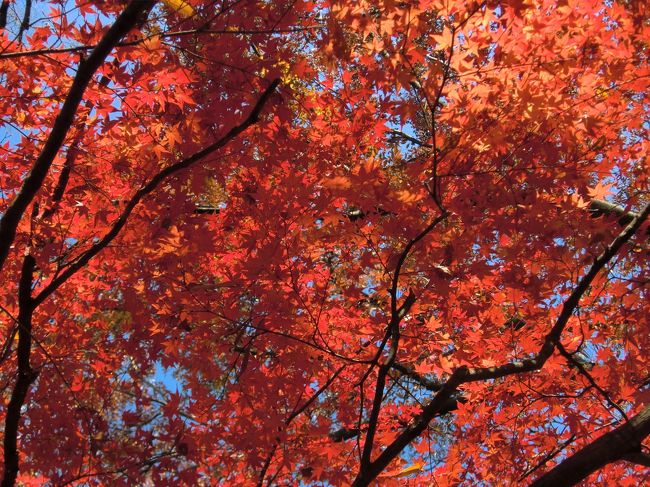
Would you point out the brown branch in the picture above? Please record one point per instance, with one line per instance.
(25, 373)
(611, 447)
(639, 457)
(585, 373)
(145, 190)
(393, 332)
(206, 209)
(465, 374)
(128, 19)
(600, 207)
(419, 378)
(4, 8)
(24, 25)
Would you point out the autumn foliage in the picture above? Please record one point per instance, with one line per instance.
(324, 242)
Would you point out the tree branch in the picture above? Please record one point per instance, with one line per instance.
(4, 8)
(638, 457)
(429, 384)
(24, 25)
(297, 412)
(547, 458)
(465, 374)
(393, 332)
(25, 373)
(611, 447)
(600, 207)
(585, 373)
(129, 18)
(409, 138)
(80, 262)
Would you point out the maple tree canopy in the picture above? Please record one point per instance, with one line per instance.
(322, 242)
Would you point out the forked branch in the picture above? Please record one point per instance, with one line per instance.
(465, 374)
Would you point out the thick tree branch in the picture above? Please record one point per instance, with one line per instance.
(4, 8)
(465, 374)
(600, 207)
(638, 457)
(611, 447)
(153, 183)
(25, 375)
(128, 19)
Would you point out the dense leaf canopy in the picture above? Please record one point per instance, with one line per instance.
(325, 242)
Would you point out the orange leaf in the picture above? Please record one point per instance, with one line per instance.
(180, 6)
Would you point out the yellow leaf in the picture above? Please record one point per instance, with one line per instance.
(180, 6)
(601, 93)
(415, 468)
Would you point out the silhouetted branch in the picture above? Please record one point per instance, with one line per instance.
(128, 19)
(25, 373)
(4, 8)
(616, 445)
(24, 25)
(465, 374)
(148, 188)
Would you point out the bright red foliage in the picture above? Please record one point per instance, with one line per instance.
(271, 242)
